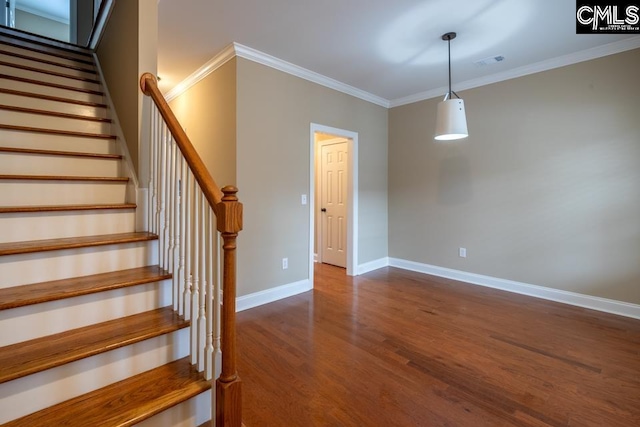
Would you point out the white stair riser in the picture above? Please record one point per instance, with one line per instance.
(38, 391)
(17, 118)
(55, 53)
(43, 77)
(48, 105)
(192, 413)
(33, 63)
(34, 193)
(43, 164)
(24, 269)
(45, 141)
(50, 91)
(21, 227)
(35, 321)
(60, 107)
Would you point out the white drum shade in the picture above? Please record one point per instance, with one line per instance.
(451, 121)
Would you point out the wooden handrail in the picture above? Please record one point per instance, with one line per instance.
(228, 211)
(149, 86)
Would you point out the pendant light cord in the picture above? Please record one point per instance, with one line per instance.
(449, 45)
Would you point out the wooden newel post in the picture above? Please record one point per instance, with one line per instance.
(228, 386)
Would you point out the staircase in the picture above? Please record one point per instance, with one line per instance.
(88, 336)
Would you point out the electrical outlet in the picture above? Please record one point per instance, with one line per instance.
(285, 263)
(462, 252)
(304, 199)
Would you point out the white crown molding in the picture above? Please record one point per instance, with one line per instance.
(237, 49)
(587, 301)
(209, 67)
(289, 68)
(549, 64)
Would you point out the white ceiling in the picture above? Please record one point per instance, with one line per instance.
(58, 10)
(389, 48)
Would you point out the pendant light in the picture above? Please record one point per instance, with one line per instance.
(451, 122)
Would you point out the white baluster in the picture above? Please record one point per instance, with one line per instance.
(166, 197)
(152, 167)
(162, 196)
(217, 295)
(188, 200)
(173, 189)
(176, 239)
(196, 275)
(204, 294)
(183, 232)
(209, 350)
(155, 205)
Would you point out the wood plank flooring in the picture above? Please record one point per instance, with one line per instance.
(397, 348)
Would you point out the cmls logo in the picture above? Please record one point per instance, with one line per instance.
(598, 16)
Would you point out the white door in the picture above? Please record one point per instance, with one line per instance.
(333, 203)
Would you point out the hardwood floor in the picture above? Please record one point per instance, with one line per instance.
(397, 348)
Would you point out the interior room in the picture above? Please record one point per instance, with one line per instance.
(285, 213)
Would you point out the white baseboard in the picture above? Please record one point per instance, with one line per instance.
(373, 265)
(315, 257)
(274, 294)
(572, 298)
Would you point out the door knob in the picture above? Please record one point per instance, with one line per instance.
(323, 210)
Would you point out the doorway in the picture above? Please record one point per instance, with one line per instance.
(333, 187)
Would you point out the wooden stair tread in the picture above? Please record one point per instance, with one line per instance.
(57, 132)
(37, 293)
(46, 52)
(49, 84)
(29, 357)
(126, 402)
(60, 153)
(52, 98)
(63, 178)
(53, 113)
(49, 72)
(14, 248)
(45, 61)
(64, 208)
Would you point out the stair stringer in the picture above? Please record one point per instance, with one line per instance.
(136, 192)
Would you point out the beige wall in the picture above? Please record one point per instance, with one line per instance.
(275, 111)
(128, 49)
(40, 25)
(207, 112)
(546, 189)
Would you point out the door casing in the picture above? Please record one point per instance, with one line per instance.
(352, 195)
